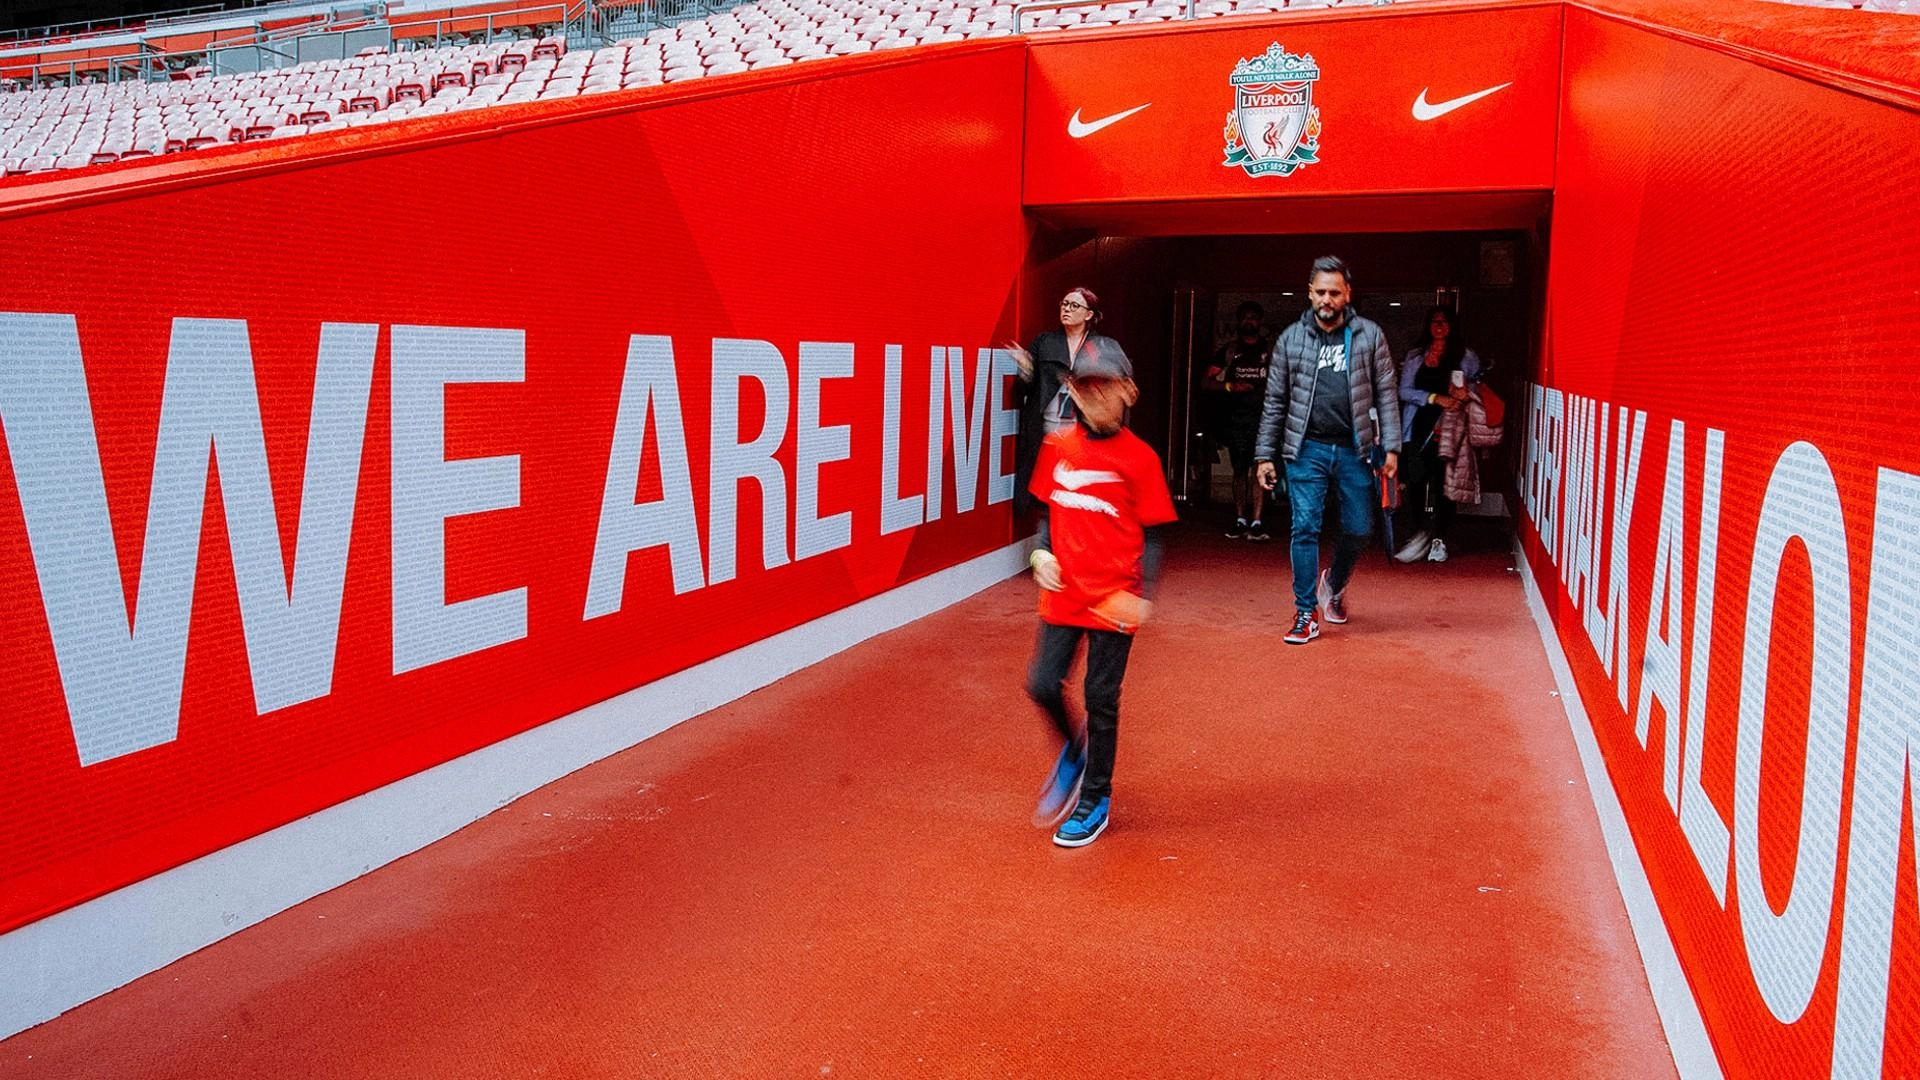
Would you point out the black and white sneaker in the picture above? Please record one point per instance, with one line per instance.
(1238, 529)
(1257, 532)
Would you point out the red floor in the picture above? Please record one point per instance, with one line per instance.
(1372, 856)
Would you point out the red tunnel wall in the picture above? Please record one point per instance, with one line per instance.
(782, 211)
(1731, 247)
(1733, 253)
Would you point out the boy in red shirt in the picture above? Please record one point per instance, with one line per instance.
(1103, 495)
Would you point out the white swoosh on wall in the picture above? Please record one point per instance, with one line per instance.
(1080, 129)
(1422, 111)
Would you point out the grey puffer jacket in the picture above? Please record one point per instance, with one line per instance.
(1372, 379)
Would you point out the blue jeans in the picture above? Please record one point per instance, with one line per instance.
(1319, 466)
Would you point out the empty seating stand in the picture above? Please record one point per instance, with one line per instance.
(74, 127)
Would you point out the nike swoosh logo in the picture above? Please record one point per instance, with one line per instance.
(1074, 479)
(1080, 129)
(1424, 112)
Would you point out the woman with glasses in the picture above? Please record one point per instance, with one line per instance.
(1044, 367)
(1433, 380)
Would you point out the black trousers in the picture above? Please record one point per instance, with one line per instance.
(1106, 665)
(1426, 478)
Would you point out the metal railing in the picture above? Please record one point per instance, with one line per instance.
(234, 59)
(492, 23)
(282, 47)
(1188, 8)
(92, 27)
(111, 69)
(643, 15)
(145, 63)
(172, 17)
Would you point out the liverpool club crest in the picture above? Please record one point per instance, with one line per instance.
(1274, 126)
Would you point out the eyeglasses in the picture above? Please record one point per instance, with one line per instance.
(1073, 305)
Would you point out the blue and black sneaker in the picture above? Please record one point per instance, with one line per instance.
(1063, 786)
(1084, 825)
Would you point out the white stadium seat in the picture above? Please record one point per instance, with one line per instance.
(67, 127)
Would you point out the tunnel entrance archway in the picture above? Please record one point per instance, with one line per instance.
(1170, 297)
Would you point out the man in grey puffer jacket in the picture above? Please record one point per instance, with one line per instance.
(1332, 411)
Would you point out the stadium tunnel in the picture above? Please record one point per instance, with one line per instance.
(552, 491)
(1171, 296)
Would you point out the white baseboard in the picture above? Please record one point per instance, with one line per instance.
(78, 954)
(1686, 1032)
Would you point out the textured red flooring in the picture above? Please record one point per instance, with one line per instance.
(1368, 857)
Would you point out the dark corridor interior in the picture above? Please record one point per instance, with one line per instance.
(1170, 302)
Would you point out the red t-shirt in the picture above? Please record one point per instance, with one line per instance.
(1101, 494)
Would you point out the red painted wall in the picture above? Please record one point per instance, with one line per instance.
(1731, 250)
(1372, 65)
(779, 211)
(1733, 267)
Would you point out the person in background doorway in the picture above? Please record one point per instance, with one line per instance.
(1332, 413)
(1234, 385)
(1041, 394)
(1433, 381)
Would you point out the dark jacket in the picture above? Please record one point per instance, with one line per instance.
(1050, 365)
(1291, 378)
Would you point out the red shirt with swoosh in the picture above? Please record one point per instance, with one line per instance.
(1101, 495)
